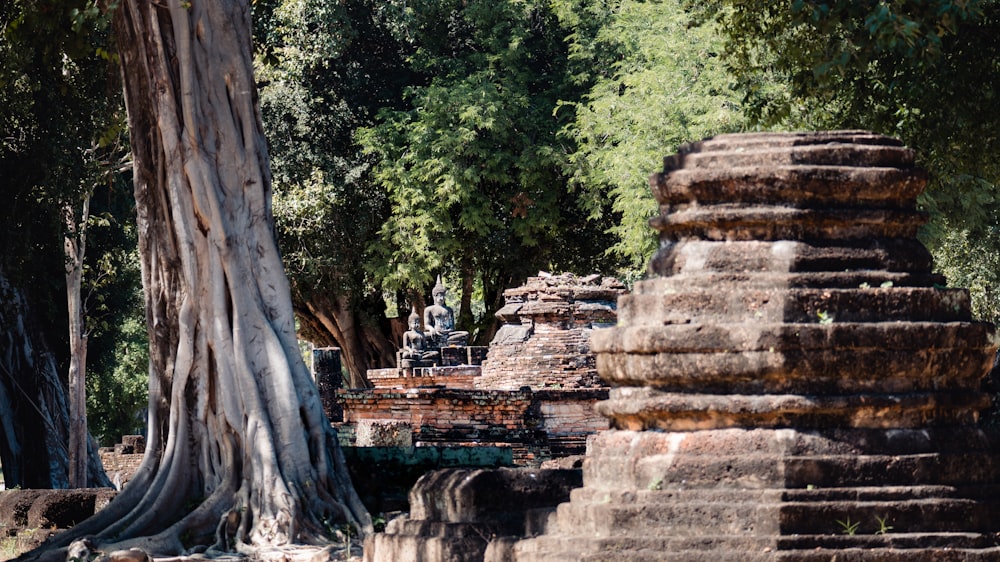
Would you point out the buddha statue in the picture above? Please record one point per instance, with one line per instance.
(439, 321)
(414, 351)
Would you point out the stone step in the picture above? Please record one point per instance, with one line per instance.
(863, 493)
(688, 517)
(649, 547)
(682, 519)
(849, 155)
(912, 516)
(778, 222)
(750, 471)
(597, 495)
(891, 493)
(942, 554)
(744, 280)
(756, 260)
(799, 306)
(888, 547)
(890, 539)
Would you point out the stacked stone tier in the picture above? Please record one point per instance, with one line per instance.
(780, 494)
(790, 291)
(793, 381)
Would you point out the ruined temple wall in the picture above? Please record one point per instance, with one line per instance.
(123, 460)
(442, 408)
(554, 357)
(537, 425)
(545, 339)
(451, 377)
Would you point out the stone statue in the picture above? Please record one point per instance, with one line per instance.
(440, 321)
(414, 351)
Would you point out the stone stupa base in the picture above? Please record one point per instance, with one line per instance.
(780, 494)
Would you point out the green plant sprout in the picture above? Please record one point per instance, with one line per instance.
(883, 527)
(848, 527)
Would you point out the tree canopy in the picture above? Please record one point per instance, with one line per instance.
(473, 164)
(656, 82)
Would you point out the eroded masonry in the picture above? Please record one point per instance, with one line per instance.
(793, 382)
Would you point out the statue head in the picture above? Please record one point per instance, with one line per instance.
(438, 292)
(414, 319)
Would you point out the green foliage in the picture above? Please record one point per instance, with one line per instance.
(473, 166)
(117, 374)
(659, 83)
(64, 123)
(324, 69)
(969, 260)
(848, 527)
(883, 525)
(55, 99)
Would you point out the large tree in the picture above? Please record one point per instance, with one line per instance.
(324, 69)
(473, 165)
(239, 453)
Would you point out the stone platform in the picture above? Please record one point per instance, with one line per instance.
(461, 376)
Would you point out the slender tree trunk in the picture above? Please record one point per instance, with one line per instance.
(75, 245)
(239, 453)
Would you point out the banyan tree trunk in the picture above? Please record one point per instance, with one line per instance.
(239, 453)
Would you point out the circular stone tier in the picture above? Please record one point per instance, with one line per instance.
(790, 291)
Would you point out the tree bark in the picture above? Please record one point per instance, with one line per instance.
(335, 323)
(75, 245)
(467, 275)
(239, 453)
(34, 419)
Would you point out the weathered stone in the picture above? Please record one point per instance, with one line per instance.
(51, 509)
(545, 341)
(137, 443)
(329, 378)
(456, 514)
(793, 384)
(383, 433)
(535, 425)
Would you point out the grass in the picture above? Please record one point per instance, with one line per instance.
(8, 548)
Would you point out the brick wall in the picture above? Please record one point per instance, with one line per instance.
(535, 425)
(121, 461)
(451, 377)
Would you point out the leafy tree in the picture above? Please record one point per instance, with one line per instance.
(473, 165)
(239, 453)
(118, 344)
(324, 69)
(53, 93)
(921, 71)
(658, 82)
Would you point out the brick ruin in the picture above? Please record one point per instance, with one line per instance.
(793, 383)
(532, 393)
(121, 461)
(544, 341)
